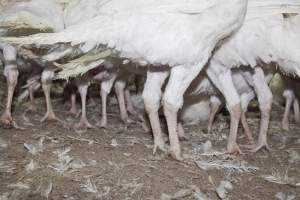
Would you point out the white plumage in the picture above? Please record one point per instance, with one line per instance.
(175, 33)
(268, 39)
(140, 31)
(35, 14)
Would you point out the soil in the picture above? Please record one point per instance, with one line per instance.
(117, 163)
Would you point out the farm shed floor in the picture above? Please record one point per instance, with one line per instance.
(117, 163)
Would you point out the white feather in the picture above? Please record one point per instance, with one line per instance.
(36, 14)
(154, 32)
(269, 39)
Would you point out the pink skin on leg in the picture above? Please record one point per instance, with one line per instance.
(296, 110)
(47, 77)
(222, 79)
(246, 128)
(12, 79)
(106, 86)
(215, 104)
(180, 79)
(152, 97)
(171, 116)
(11, 72)
(245, 100)
(73, 109)
(32, 106)
(289, 97)
(83, 123)
(103, 122)
(235, 114)
(265, 97)
(119, 89)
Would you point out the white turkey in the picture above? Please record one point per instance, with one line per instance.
(37, 16)
(26, 17)
(202, 93)
(271, 38)
(180, 34)
(11, 73)
(291, 86)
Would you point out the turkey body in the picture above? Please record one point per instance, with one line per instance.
(179, 34)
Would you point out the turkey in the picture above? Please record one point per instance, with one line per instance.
(271, 38)
(11, 73)
(202, 93)
(25, 17)
(291, 99)
(131, 44)
(248, 45)
(179, 34)
(74, 13)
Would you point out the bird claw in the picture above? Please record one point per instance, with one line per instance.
(260, 146)
(50, 118)
(159, 144)
(8, 122)
(102, 124)
(84, 124)
(234, 149)
(285, 127)
(175, 154)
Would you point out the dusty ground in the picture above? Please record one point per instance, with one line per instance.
(117, 163)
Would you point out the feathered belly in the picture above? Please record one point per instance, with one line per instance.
(172, 39)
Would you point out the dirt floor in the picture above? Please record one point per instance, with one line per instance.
(49, 161)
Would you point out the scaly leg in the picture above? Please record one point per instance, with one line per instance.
(106, 87)
(103, 122)
(180, 79)
(221, 77)
(12, 79)
(289, 97)
(11, 72)
(73, 109)
(246, 128)
(296, 110)
(245, 100)
(152, 96)
(265, 98)
(119, 89)
(215, 104)
(47, 77)
(83, 123)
